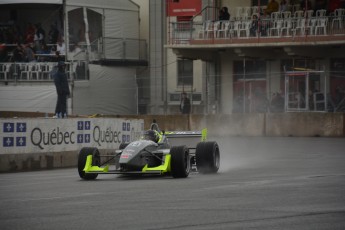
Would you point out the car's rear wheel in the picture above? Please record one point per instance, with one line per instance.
(96, 160)
(180, 162)
(207, 157)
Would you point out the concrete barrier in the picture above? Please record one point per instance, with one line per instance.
(278, 124)
(305, 124)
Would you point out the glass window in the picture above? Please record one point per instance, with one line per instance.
(185, 72)
(254, 69)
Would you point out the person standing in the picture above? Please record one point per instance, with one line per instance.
(62, 89)
(272, 6)
(224, 14)
(185, 104)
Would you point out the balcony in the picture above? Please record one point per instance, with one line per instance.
(279, 30)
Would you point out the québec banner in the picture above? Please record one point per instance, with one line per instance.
(57, 135)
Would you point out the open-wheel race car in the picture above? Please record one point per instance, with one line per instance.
(154, 154)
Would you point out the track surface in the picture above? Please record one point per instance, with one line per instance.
(264, 183)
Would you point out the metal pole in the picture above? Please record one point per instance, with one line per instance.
(244, 84)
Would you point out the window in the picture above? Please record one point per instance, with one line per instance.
(254, 69)
(185, 72)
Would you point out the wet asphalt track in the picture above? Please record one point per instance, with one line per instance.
(264, 183)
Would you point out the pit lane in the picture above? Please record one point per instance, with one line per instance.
(263, 183)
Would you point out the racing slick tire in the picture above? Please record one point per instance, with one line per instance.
(96, 160)
(180, 162)
(207, 157)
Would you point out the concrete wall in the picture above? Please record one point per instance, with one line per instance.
(257, 124)
(305, 124)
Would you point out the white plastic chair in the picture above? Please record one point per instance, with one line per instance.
(25, 71)
(239, 12)
(46, 70)
(244, 26)
(338, 18)
(216, 27)
(321, 26)
(320, 13)
(286, 14)
(311, 24)
(276, 15)
(234, 29)
(287, 27)
(4, 70)
(308, 13)
(36, 72)
(299, 14)
(276, 28)
(255, 10)
(300, 26)
(224, 31)
(205, 26)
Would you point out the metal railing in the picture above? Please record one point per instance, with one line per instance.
(259, 31)
(40, 71)
(123, 48)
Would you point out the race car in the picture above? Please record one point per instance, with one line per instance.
(153, 154)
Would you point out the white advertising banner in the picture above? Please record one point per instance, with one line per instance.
(58, 135)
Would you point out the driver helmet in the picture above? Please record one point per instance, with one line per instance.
(151, 135)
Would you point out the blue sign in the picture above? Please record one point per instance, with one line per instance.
(8, 127)
(80, 125)
(87, 138)
(87, 125)
(20, 141)
(21, 127)
(8, 141)
(80, 138)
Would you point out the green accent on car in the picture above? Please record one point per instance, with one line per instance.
(204, 134)
(89, 168)
(162, 168)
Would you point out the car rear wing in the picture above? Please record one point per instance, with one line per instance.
(188, 138)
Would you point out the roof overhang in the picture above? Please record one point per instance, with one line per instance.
(31, 2)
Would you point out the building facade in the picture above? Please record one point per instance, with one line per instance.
(291, 59)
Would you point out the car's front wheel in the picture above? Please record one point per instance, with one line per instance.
(83, 154)
(180, 162)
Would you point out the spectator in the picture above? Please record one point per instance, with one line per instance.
(320, 5)
(254, 25)
(3, 53)
(305, 5)
(53, 34)
(283, 6)
(272, 6)
(18, 54)
(277, 102)
(39, 36)
(62, 89)
(333, 5)
(60, 47)
(264, 24)
(185, 104)
(28, 52)
(224, 14)
(29, 33)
